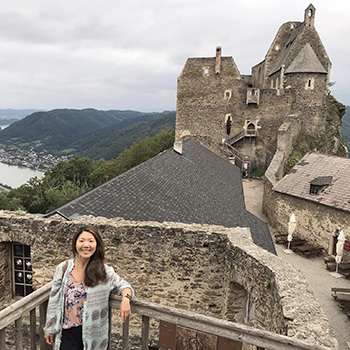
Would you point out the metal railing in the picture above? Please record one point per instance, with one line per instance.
(148, 310)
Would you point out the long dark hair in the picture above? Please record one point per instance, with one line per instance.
(95, 271)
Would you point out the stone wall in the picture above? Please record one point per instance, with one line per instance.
(202, 109)
(5, 277)
(315, 222)
(193, 267)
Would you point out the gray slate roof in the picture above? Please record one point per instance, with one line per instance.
(196, 186)
(313, 166)
(306, 62)
(293, 39)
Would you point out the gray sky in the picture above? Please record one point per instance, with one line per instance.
(112, 54)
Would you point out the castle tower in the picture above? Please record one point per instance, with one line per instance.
(309, 18)
(227, 111)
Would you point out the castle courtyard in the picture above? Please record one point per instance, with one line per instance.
(313, 268)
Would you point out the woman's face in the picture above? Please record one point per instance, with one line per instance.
(86, 245)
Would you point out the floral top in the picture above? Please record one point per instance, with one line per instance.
(75, 295)
(96, 307)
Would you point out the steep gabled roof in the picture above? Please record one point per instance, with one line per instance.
(306, 62)
(329, 170)
(286, 49)
(194, 65)
(196, 186)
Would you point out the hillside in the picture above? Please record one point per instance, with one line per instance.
(345, 127)
(111, 145)
(9, 116)
(58, 130)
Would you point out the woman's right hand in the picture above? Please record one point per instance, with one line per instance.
(49, 338)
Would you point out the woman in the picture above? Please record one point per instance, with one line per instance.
(77, 313)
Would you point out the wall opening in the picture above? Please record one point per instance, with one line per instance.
(227, 94)
(251, 128)
(228, 125)
(310, 83)
(21, 270)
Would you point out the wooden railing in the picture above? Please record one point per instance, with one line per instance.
(232, 140)
(15, 313)
(148, 310)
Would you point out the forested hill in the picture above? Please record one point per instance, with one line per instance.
(345, 127)
(58, 130)
(110, 145)
(8, 116)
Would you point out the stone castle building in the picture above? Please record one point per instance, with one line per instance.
(285, 94)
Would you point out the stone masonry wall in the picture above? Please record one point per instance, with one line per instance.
(5, 280)
(315, 222)
(192, 267)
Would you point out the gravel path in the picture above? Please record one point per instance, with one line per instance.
(314, 270)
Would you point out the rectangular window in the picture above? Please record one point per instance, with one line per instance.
(22, 270)
(310, 84)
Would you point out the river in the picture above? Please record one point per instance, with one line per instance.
(15, 176)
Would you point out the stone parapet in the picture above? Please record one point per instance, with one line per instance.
(191, 267)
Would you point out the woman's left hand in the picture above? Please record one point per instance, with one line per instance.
(125, 310)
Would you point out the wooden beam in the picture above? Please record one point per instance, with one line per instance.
(126, 335)
(109, 328)
(20, 307)
(222, 328)
(42, 318)
(145, 332)
(33, 329)
(18, 334)
(2, 339)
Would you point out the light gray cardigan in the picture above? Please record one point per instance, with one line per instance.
(96, 310)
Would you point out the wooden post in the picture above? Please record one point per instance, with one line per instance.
(19, 334)
(145, 332)
(109, 328)
(33, 329)
(126, 335)
(2, 339)
(42, 317)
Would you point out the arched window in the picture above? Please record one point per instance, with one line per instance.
(251, 128)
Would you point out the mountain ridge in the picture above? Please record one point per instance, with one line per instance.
(66, 131)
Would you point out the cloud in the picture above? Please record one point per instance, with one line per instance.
(118, 54)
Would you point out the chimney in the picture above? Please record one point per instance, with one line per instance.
(218, 60)
(178, 147)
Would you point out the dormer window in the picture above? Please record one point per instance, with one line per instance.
(319, 184)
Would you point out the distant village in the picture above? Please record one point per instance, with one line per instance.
(42, 160)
